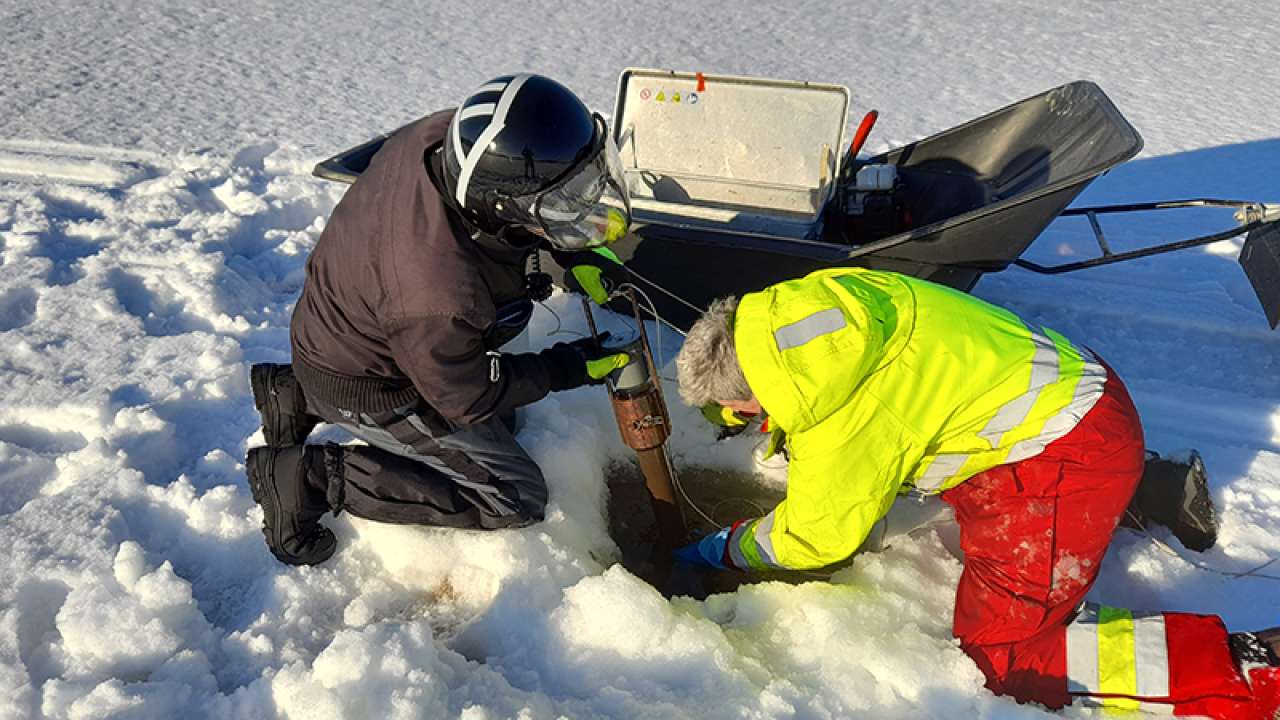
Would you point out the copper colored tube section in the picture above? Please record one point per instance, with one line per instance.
(642, 417)
(645, 427)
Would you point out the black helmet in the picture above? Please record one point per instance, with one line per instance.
(524, 151)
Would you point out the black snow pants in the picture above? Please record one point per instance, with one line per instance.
(418, 470)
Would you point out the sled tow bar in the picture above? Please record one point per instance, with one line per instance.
(1260, 256)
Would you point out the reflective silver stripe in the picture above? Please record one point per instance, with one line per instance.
(495, 126)
(415, 421)
(1151, 653)
(1143, 706)
(1093, 378)
(764, 542)
(940, 470)
(495, 366)
(1150, 656)
(491, 87)
(802, 331)
(1044, 372)
(1082, 651)
(735, 547)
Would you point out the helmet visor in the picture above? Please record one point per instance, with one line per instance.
(587, 208)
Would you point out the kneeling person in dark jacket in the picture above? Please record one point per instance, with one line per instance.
(417, 281)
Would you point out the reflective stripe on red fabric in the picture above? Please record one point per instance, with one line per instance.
(1124, 707)
(1202, 678)
(1033, 534)
(1113, 651)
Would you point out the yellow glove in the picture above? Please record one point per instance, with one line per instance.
(728, 423)
(717, 414)
(600, 368)
(615, 226)
(592, 282)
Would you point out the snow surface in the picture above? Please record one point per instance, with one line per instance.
(155, 212)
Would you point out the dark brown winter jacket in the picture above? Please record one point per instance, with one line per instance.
(401, 300)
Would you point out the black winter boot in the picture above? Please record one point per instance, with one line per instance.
(1255, 648)
(1175, 494)
(283, 407)
(289, 484)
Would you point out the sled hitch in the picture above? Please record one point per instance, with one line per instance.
(1260, 257)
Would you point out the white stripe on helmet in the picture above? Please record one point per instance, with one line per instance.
(468, 162)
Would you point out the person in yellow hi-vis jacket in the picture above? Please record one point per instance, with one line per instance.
(882, 385)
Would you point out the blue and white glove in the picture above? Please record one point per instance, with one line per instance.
(710, 551)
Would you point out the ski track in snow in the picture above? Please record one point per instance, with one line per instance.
(155, 213)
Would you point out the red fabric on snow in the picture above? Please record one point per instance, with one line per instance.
(1200, 661)
(1264, 683)
(1034, 534)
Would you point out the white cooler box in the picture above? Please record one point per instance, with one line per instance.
(741, 154)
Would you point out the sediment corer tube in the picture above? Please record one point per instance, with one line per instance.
(635, 374)
(641, 411)
(642, 416)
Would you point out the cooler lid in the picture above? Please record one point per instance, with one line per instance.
(725, 141)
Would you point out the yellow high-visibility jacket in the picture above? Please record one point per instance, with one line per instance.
(886, 384)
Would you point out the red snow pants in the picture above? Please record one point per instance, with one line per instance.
(1034, 534)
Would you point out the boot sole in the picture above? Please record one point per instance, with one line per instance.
(1198, 518)
(262, 485)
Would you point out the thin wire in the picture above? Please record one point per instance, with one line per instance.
(760, 511)
(1253, 573)
(672, 295)
(653, 310)
(675, 477)
(559, 329)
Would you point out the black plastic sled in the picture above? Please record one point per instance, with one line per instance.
(745, 182)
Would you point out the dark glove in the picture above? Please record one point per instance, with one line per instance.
(581, 362)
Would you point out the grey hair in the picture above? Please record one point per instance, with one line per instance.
(707, 366)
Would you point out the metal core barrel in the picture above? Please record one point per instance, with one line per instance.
(637, 403)
(645, 425)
